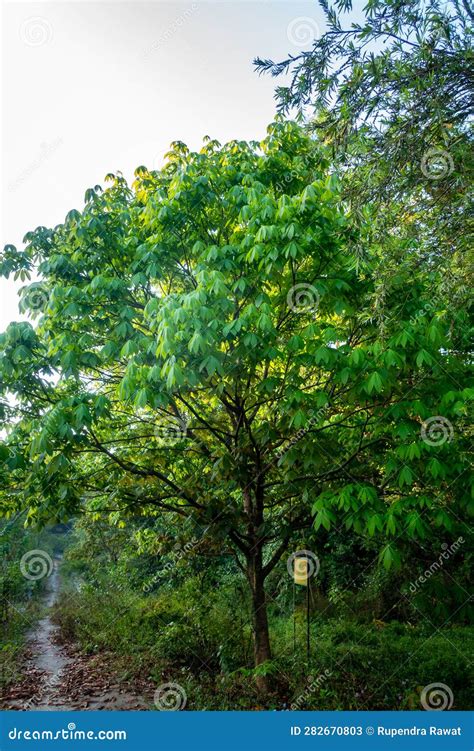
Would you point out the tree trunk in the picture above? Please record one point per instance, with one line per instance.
(261, 637)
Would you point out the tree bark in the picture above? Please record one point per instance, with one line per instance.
(261, 636)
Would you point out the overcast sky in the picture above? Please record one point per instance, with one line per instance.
(90, 88)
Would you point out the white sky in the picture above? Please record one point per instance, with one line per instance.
(90, 88)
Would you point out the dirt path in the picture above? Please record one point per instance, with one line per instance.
(61, 678)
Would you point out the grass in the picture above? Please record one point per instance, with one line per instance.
(201, 642)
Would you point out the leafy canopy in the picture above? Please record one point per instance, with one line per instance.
(393, 95)
(206, 345)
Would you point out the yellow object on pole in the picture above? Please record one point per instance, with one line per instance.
(301, 571)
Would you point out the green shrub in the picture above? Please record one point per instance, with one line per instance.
(381, 668)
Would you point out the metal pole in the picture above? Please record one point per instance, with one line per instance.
(294, 617)
(307, 621)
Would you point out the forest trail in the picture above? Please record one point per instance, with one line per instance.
(58, 677)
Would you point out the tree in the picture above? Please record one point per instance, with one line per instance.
(207, 348)
(393, 95)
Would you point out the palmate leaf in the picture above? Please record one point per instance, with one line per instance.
(172, 303)
(374, 383)
(390, 557)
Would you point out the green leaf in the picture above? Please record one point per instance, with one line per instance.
(374, 383)
(141, 398)
(405, 477)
